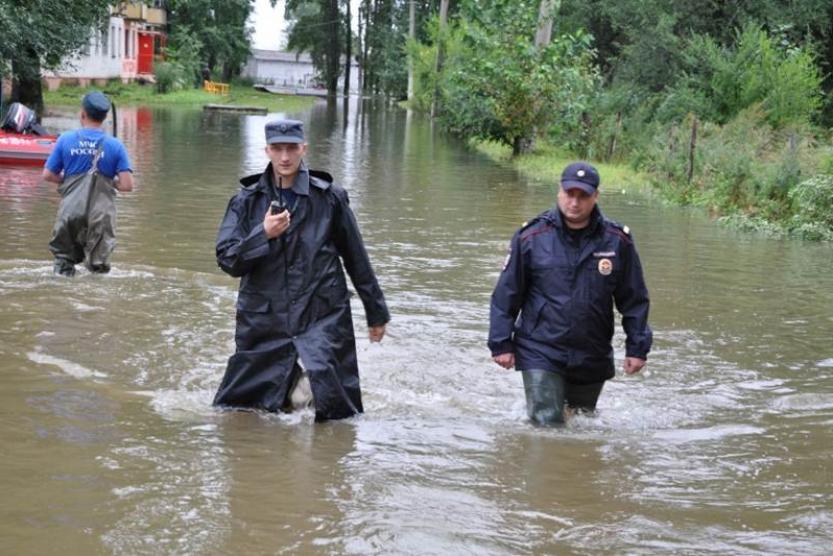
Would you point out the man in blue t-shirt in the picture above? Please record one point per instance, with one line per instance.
(74, 153)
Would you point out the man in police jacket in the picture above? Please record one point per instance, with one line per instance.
(289, 234)
(565, 270)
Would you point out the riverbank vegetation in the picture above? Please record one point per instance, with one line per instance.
(241, 92)
(724, 106)
(727, 111)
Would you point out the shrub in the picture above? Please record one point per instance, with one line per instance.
(812, 206)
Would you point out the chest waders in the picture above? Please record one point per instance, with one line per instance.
(85, 227)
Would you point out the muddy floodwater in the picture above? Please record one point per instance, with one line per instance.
(110, 444)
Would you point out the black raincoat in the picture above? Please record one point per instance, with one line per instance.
(293, 300)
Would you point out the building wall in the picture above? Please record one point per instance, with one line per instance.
(101, 58)
(111, 53)
(282, 69)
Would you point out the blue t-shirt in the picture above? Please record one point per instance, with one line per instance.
(74, 151)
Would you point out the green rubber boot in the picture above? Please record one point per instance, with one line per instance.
(544, 397)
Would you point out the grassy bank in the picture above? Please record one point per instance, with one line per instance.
(547, 162)
(135, 94)
(801, 208)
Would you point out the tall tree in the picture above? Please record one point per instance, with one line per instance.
(40, 34)
(500, 86)
(411, 37)
(348, 46)
(316, 28)
(220, 26)
(438, 66)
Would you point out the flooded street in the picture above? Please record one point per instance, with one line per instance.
(722, 446)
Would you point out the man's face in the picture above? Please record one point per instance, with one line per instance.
(286, 157)
(576, 206)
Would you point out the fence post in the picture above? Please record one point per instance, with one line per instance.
(612, 147)
(691, 149)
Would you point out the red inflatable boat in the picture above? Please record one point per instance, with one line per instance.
(22, 139)
(24, 148)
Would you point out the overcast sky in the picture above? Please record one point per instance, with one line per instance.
(269, 24)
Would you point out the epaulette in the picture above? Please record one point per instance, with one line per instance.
(320, 179)
(527, 225)
(620, 229)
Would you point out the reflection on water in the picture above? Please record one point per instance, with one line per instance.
(721, 446)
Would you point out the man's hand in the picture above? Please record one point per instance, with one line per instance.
(633, 365)
(275, 224)
(505, 360)
(376, 333)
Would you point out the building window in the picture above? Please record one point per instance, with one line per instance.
(104, 42)
(113, 42)
(127, 53)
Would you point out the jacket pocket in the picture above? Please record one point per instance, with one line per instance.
(252, 303)
(530, 317)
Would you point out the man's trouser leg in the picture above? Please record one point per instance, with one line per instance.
(545, 396)
(582, 398)
(300, 393)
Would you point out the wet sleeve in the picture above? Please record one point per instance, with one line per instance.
(632, 301)
(507, 300)
(348, 241)
(239, 248)
(123, 159)
(55, 162)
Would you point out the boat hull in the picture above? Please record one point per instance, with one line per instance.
(26, 150)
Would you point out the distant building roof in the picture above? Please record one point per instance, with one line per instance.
(281, 56)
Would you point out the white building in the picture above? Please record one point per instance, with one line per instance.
(123, 49)
(290, 70)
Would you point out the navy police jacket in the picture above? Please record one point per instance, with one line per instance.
(553, 304)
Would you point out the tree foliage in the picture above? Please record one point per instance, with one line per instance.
(39, 34)
(218, 27)
(499, 86)
(319, 28)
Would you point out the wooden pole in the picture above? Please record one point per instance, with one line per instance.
(691, 149)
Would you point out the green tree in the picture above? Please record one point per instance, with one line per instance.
(40, 34)
(219, 27)
(318, 27)
(500, 85)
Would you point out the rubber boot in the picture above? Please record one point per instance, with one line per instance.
(544, 397)
(63, 267)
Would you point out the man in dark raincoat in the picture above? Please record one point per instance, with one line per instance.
(85, 228)
(565, 270)
(286, 234)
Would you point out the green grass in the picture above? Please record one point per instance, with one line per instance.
(546, 163)
(135, 94)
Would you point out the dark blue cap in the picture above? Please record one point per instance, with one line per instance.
(284, 131)
(96, 105)
(580, 175)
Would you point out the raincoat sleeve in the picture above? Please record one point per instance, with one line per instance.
(507, 300)
(631, 296)
(348, 241)
(240, 246)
